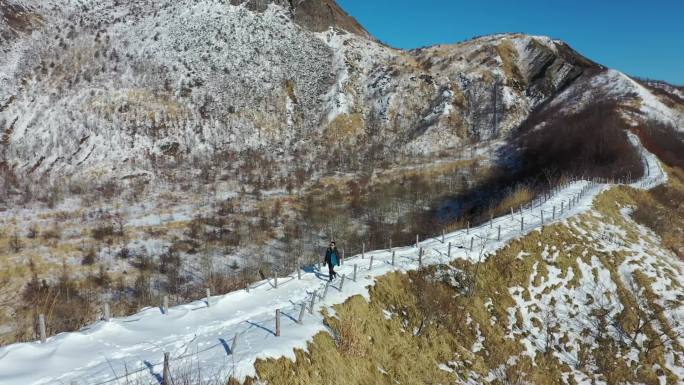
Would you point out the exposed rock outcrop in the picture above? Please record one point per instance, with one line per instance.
(315, 15)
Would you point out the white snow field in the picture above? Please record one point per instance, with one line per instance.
(131, 349)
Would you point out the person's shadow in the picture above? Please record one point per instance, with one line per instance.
(316, 270)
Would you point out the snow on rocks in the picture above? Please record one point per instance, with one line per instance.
(614, 84)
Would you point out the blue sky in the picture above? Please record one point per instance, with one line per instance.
(642, 38)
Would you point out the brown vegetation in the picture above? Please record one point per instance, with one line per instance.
(664, 141)
(592, 143)
(662, 209)
(418, 320)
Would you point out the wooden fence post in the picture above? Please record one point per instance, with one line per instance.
(363, 250)
(522, 223)
(344, 276)
(355, 268)
(420, 258)
(498, 234)
(468, 228)
(442, 235)
(166, 379)
(313, 301)
(393, 252)
(277, 333)
(449, 251)
(370, 266)
(247, 287)
(275, 279)
(302, 309)
(208, 297)
(165, 304)
(234, 344)
(390, 242)
(553, 216)
(511, 212)
(325, 291)
(417, 241)
(107, 314)
(541, 212)
(562, 207)
(472, 241)
(41, 328)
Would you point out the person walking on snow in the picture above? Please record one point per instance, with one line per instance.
(332, 259)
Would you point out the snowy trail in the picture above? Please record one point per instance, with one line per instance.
(106, 352)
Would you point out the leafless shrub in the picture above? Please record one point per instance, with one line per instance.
(102, 231)
(15, 242)
(591, 142)
(54, 232)
(64, 304)
(32, 231)
(89, 257)
(664, 141)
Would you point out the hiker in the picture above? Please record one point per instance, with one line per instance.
(332, 259)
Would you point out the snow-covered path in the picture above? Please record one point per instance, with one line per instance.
(106, 352)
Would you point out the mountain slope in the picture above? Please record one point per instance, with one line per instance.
(159, 148)
(109, 83)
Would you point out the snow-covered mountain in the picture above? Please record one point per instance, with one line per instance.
(152, 149)
(110, 88)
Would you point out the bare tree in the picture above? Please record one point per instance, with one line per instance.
(119, 221)
(6, 291)
(15, 242)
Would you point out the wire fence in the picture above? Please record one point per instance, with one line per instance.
(533, 215)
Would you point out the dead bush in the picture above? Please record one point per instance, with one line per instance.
(591, 142)
(103, 231)
(89, 257)
(53, 232)
(32, 231)
(664, 141)
(65, 305)
(350, 338)
(15, 243)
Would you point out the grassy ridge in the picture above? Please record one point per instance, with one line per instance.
(448, 324)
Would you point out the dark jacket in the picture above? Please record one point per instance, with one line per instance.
(332, 257)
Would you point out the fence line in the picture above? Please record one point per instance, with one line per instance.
(408, 252)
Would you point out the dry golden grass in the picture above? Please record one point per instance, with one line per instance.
(345, 128)
(520, 196)
(377, 352)
(509, 58)
(363, 340)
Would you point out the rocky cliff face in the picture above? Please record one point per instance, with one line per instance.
(110, 89)
(314, 15)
